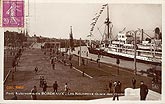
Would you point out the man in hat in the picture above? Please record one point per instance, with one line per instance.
(55, 86)
(34, 91)
(143, 91)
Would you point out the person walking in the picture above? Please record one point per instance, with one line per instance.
(34, 91)
(55, 86)
(70, 57)
(134, 83)
(51, 60)
(53, 66)
(45, 86)
(55, 61)
(116, 91)
(66, 88)
(41, 81)
(119, 84)
(143, 91)
(153, 83)
(71, 65)
(36, 69)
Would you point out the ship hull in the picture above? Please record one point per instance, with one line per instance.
(104, 53)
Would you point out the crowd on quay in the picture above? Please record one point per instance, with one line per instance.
(16, 53)
(54, 58)
(114, 87)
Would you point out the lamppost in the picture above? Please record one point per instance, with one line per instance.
(135, 48)
(80, 54)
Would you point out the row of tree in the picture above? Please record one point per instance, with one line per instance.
(14, 38)
(17, 39)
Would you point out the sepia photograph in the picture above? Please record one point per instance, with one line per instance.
(82, 51)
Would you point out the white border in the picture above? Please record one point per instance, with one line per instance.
(86, 101)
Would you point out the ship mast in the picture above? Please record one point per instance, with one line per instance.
(108, 21)
(108, 29)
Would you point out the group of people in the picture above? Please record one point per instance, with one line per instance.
(113, 84)
(43, 84)
(116, 88)
(155, 82)
(15, 62)
(143, 89)
(54, 58)
(53, 62)
(17, 58)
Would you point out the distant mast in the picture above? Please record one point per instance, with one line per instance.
(71, 41)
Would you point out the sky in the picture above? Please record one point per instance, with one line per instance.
(54, 19)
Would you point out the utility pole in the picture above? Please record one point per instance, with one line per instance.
(70, 45)
(80, 54)
(135, 46)
(142, 35)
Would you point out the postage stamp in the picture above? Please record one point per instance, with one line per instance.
(13, 13)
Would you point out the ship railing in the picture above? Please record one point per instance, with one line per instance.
(147, 58)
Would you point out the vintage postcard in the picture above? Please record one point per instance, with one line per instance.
(96, 51)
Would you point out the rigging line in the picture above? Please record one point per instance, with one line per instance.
(148, 30)
(104, 32)
(101, 25)
(104, 29)
(147, 34)
(100, 32)
(144, 33)
(94, 32)
(98, 27)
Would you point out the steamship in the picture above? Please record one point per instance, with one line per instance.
(128, 45)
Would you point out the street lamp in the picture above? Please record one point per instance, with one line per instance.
(80, 54)
(135, 48)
